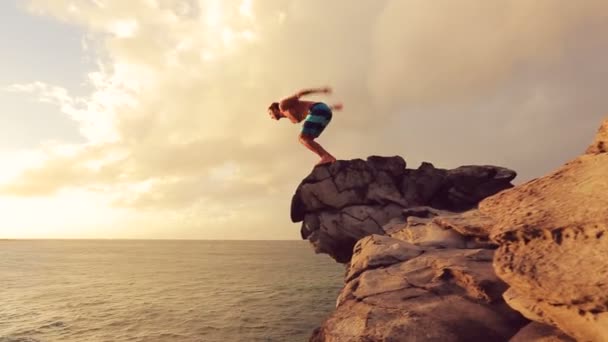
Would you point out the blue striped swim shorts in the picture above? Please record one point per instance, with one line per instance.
(317, 119)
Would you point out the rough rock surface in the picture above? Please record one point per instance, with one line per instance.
(397, 291)
(345, 201)
(433, 263)
(429, 227)
(536, 332)
(553, 237)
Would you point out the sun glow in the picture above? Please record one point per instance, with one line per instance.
(62, 216)
(124, 28)
(214, 14)
(246, 10)
(12, 163)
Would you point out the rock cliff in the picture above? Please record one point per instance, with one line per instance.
(462, 255)
(553, 237)
(350, 199)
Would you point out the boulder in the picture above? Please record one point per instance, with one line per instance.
(553, 237)
(342, 202)
(397, 291)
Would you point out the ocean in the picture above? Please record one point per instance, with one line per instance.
(150, 290)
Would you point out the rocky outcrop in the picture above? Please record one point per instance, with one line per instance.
(553, 237)
(340, 203)
(461, 255)
(422, 262)
(421, 287)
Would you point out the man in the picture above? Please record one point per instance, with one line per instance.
(316, 116)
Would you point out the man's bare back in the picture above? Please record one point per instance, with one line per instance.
(316, 116)
(295, 109)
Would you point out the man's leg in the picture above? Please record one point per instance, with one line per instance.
(314, 146)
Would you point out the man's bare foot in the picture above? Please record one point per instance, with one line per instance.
(326, 160)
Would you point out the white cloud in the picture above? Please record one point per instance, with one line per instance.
(176, 121)
(124, 28)
(95, 114)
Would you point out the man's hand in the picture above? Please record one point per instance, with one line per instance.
(337, 106)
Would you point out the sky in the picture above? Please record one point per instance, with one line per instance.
(147, 118)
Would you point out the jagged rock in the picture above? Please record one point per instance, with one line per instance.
(345, 201)
(553, 237)
(470, 184)
(536, 332)
(393, 165)
(424, 232)
(334, 194)
(428, 227)
(376, 251)
(422, 185)
(341, 250)
(396, 291)
(469, 223)
(336, 232)
(384, 190)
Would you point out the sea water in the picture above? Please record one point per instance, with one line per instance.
(142, 290)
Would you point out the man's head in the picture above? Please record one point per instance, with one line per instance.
(274, 111)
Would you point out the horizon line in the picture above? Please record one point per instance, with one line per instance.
(140, 239)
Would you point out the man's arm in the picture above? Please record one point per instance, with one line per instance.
(324, 90)
(290, 101)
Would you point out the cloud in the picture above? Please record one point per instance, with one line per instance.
(94, 115)
(471, 48)
(65, 166)
(182, 86)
